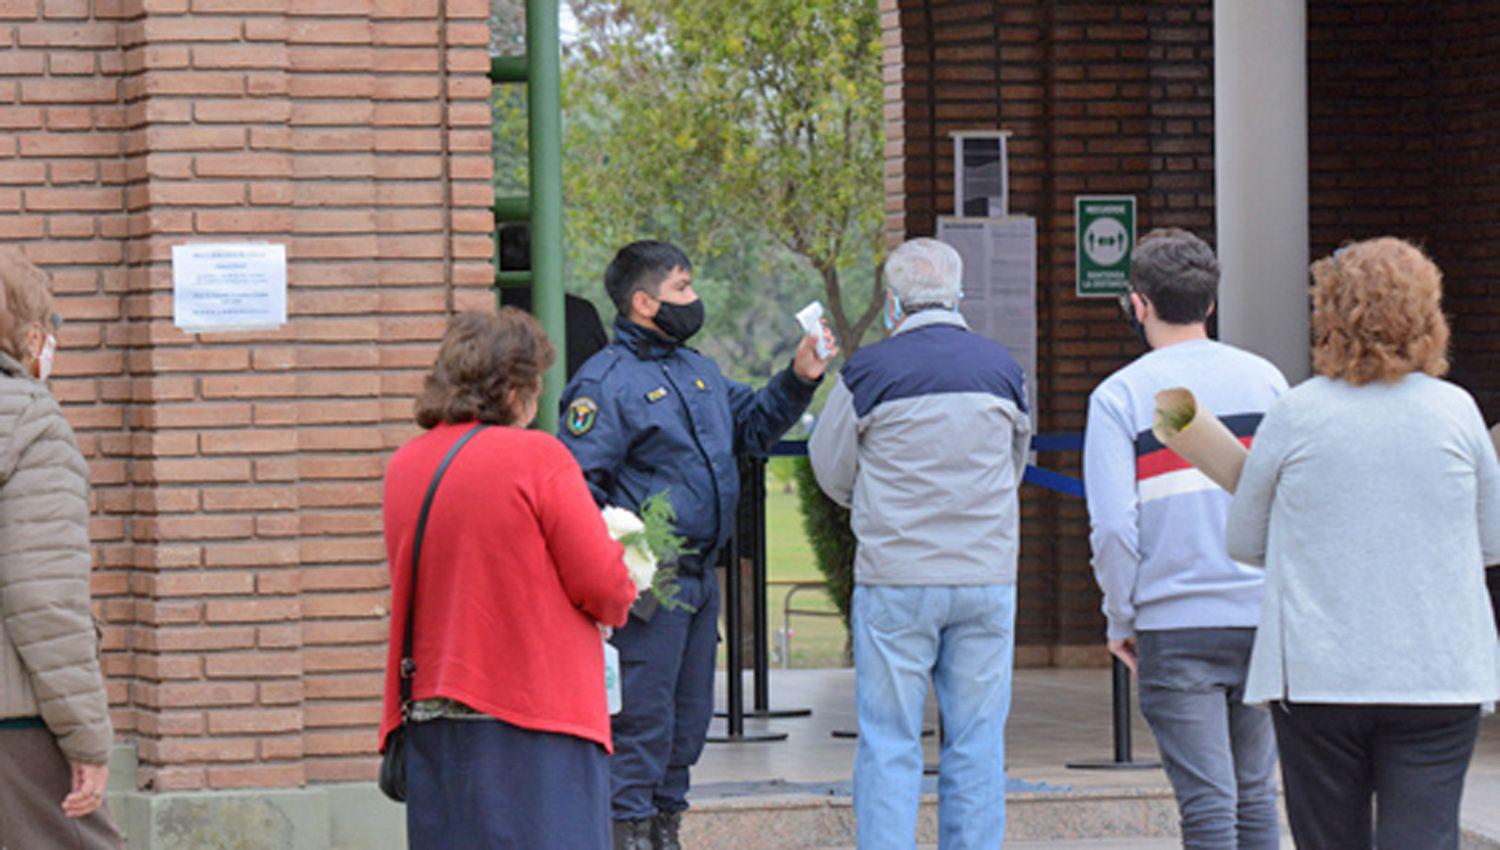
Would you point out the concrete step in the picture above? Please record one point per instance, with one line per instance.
(1077, 843)
(811, 822)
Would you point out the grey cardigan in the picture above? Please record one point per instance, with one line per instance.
(1374, 510)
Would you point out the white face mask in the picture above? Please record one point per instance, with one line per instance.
(44, 358)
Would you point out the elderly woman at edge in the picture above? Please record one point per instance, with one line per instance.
(509, 729)
(54, 717)
(1372, 497)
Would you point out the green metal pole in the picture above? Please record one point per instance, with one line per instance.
(544, 97)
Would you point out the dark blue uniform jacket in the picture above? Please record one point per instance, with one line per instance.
(646, 415)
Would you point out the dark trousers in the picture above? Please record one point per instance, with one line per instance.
(34, 779)
(667, 689)
(486, 783)
(1410, 759)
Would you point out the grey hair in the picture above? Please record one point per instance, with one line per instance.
(925, 272)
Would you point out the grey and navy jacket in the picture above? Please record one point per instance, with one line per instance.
(925, 438)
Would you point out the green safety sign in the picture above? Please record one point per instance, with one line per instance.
(1103, 238)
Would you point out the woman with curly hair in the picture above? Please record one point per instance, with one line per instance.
(1372, 498)
(506, 726)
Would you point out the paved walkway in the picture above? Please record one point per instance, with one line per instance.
(1058, 716)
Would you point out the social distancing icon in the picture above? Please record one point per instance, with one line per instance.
(1105, 234)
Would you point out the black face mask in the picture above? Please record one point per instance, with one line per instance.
(680, 321)
(1135, 324)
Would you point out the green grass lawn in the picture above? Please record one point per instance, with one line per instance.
(815, 641)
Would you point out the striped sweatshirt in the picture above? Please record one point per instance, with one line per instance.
(1157, 523)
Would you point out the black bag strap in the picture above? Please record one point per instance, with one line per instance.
(408, 664)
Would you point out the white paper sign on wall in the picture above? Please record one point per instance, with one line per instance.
(228, 286)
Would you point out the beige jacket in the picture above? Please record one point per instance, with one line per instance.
(49, 664)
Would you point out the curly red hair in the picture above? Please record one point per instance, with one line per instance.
(1377, 313)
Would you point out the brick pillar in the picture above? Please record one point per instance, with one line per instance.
(237, 476)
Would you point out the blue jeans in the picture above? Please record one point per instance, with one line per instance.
(1219, 753)
(963, 638)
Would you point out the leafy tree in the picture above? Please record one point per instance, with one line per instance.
(724, 121)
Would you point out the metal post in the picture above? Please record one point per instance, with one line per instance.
(1121, 712)
(756, 486)
(735, 675)
(750, 527)
(544, 104)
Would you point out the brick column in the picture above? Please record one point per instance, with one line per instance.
(237, 476)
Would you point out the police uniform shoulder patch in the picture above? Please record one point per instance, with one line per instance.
(581, 415)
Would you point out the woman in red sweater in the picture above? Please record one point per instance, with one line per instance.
(509, 729)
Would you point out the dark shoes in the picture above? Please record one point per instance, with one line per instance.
(632, 834)
(664, 829)
(658, 833)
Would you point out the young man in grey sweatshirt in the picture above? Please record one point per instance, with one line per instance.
(1181, 614)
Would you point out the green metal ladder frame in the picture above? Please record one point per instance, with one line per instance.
(540, 70)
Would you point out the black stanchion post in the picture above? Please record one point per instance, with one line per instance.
(761, 602)
(733, 599)
(1121, 692)
(1121, 699)
(735, 679)
(754, 487)
(752, 525)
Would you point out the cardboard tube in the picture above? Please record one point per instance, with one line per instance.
(1203, 441)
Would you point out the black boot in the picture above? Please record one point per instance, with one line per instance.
(631, 834)
(664, 829)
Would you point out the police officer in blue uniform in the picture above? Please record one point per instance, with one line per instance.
(649, 415)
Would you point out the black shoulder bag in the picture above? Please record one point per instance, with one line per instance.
(393, 762)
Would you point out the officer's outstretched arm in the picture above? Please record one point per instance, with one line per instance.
(762, 416)
(593, 428)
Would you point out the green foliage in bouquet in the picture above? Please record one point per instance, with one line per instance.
(827, 527)
(661, 538)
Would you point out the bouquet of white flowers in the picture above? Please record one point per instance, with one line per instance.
(651, 551)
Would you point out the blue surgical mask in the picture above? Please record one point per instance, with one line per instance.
(892, 314)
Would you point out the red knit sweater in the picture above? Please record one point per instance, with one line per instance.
(516, 568)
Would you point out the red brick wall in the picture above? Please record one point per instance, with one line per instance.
(1404, 103)
(1104, 98)
(1468, 173)
(241, 570)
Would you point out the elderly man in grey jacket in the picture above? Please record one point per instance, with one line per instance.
(924, 438)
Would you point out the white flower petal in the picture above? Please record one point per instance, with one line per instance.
(642, 567)
(621, 522)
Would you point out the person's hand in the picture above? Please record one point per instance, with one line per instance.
(807, 364)
(1125, 651)
(89, 781)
